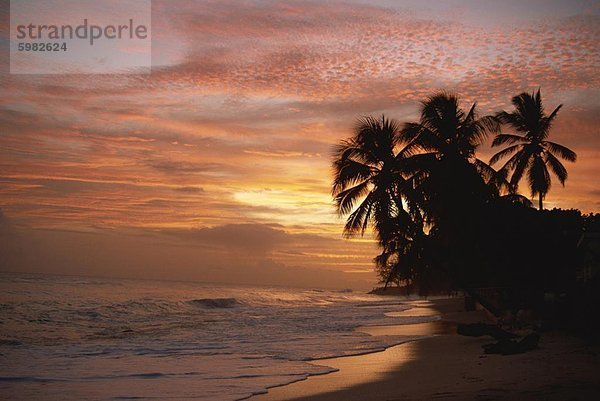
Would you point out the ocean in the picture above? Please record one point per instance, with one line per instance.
(74, 338)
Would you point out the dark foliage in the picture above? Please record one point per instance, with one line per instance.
(446, 220)
(531, 153)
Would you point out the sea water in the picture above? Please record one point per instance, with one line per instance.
(73, 338)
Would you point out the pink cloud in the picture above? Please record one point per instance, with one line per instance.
(251, 96)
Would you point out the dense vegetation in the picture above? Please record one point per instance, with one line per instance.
(447, 220)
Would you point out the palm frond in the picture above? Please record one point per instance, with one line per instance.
(349, 172)
(503, 153)
(547, 122)
(561, 151)
(408, 150)
(350, 149)
(519, 162)
(557, 168)
(484, 169)
(347, 199)
(513, 120)
(489, 125)
(471, 115)
(496, 179)
(418, 163)
(378, 136)
(528, 115)
(411, 131)
(440, 113)
(510, 139)
(474, 133)
(358, 220)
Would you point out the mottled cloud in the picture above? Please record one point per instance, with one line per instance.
(236, 122)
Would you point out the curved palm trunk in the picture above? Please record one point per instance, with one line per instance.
(540, 202)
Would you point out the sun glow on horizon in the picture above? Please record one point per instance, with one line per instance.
(234, 128)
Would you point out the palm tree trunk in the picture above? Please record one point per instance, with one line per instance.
(541, 206)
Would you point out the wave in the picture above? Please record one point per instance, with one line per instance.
(216, 302)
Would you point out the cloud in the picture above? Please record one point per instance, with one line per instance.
(257, 238)
(327, 50)
(244, 253)
(189, 189)
(232, 131)
(175, 167)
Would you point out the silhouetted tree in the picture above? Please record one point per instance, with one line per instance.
(455, 184)
(531, 152)
(374, 184)
(368, 182)
(444, 218)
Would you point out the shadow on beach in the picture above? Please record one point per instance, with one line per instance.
(451, 366)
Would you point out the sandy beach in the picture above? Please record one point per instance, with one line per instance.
(452, 367)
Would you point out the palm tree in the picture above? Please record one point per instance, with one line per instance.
(403, 258)
(455, 186)
(446, 129)
(531, 152)
(374, 181)
(368, 182)
(455, 178)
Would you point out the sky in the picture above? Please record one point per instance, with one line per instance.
(216, 166)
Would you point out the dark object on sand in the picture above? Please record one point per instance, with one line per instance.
(484, 329)
(511, 347)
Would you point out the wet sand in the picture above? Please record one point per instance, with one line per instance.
(452, 367)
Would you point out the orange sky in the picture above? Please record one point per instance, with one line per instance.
(221, 156)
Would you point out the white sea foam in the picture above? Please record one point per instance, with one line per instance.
(76, 338)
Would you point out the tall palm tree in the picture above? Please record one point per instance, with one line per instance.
(374, 183)
(455, 185)
(456, 177)
(369, 182)
(531, 152)
(446, 129)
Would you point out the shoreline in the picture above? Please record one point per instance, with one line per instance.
(417, 331)
(449, 366)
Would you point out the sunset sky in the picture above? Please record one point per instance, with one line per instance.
(217, 165)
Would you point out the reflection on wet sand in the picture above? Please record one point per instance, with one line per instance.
(415, 311)
(418, 329)
(352, 371)
(356, 370)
